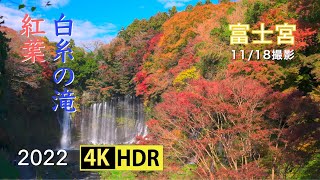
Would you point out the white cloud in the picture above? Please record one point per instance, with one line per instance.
(55, 3)
(171, 3)
(94, 43)
(12, 17)
(83, 31)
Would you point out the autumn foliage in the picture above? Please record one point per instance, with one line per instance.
(220, 127)
(233, 119)
(225, 118)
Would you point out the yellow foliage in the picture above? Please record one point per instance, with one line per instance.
(183, 25)
(315, 94)
(181, 80)
(177, 133)
(306, 146)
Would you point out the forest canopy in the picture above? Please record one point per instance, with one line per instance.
(216, 117)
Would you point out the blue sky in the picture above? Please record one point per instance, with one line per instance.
(93, 20)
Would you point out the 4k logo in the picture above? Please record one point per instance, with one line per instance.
(121, 157)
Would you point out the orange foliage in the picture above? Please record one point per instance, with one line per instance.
(303, 35)
(173, 51)
(266, 72)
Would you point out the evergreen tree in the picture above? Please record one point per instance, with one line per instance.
(199, 3)
(224, 1)
(189, 8)
(4, 48)
(173, 11)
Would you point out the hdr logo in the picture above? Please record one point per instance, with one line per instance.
(121, 157)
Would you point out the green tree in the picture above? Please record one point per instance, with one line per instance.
(173, 11)
(142, 26)
(72, 44)
(310, 170)
(84, 67)
(155, 22)
(199, 3)
(223, 31)
(189, 8)
(254, 12)
(4, 49)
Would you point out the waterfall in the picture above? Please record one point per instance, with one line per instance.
(66, 131)
(117, 121)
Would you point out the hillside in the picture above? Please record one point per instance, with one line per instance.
(230, 118)
(217, 117)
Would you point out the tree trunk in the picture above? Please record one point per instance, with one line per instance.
(272, 174)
